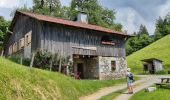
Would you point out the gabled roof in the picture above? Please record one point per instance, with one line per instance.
(65, 22)
(151, 59)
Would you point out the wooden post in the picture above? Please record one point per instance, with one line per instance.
(2, 53)
(67, 70)
(51, 65)
(32, 60)
(21, 60)
(60, 65)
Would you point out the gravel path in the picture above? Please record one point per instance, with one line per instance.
(148, 81)
(145, 81)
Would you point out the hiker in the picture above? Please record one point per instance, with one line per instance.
(129, 78)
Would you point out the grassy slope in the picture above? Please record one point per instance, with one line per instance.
(159, 94)
(19, 82)
(159, 49)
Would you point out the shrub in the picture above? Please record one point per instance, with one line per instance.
(161, 72)
(14, 58)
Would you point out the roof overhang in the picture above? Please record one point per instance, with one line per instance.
(65, 22)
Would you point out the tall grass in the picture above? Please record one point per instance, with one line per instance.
(21, 82)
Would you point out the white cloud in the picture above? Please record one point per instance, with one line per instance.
(164, 9)
(131, 20)
(14, 3)
(9, 3)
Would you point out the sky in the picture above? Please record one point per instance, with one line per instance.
(130, 13)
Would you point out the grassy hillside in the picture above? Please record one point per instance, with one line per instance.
(159, 94)
(159, 49)
(20, 82)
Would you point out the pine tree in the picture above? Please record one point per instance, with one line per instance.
(143, 30)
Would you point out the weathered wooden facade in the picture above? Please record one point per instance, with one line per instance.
(92, 51)
(152, 65)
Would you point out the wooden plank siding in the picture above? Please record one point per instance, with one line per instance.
(61, 39)
(24, 25)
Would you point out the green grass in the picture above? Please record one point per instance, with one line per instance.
(20, 82)
(159, 94)
(159, 49)
(113, 95)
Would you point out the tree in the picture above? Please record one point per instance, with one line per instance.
(143, 30)
(138, 42)
(47, 7)
(162, 27)
(3, 27)
(97, 14)
(141, 40)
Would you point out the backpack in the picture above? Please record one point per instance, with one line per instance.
(131, 77)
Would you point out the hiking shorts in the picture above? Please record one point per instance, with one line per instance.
(129, 83)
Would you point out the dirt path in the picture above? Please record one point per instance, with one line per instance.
(144, 82)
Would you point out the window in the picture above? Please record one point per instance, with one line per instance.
(108, 40)
(15, 47)
(28, 37)
(10, 50)
(113, 65)
(21, 43)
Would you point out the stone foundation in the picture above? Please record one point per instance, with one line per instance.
(105, 71)
(100, 67)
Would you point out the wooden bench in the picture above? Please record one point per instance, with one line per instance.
(164, 82)
(167, 80)
(161, 84)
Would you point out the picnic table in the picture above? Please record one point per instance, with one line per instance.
(167, 80)
(164, 81)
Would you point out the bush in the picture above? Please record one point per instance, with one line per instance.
(44, 60)
(161, 72)
(14, 58)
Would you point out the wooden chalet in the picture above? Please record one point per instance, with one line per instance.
(96, 52)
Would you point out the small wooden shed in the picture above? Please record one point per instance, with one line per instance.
(152, 65)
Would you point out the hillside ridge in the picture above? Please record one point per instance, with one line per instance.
(159, 49)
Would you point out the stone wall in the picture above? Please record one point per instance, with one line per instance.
(105, 71)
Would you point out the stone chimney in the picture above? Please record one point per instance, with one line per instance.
(82, 17)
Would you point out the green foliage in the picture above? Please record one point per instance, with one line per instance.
(20, 82)
(138, 42)
(43, 60)
(162, 27)
(159, 94)
(162, 72)
(15, 58)
(3, 27)
(143, 30)
(47, 7)
(141, 40)
(97, 14)
(159, 49)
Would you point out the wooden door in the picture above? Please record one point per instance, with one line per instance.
(80, 70)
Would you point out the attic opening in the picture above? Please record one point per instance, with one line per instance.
(108, 40)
